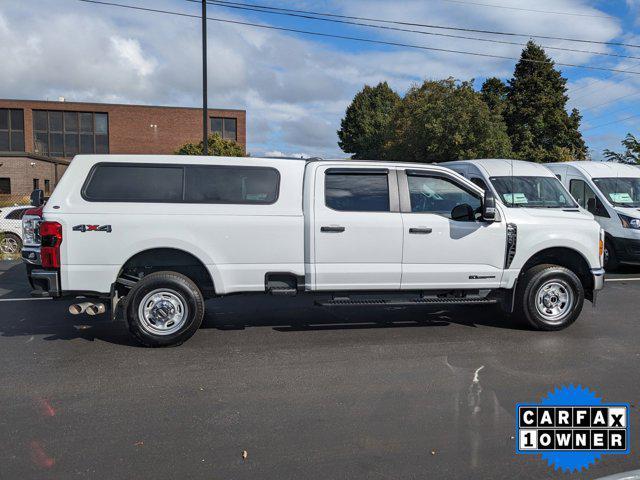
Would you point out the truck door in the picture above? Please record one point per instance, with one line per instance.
(446, 244)
(357, 229)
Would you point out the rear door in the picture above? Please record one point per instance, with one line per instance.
(441, 252)
(357, 229)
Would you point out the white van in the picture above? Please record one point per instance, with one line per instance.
(157, 235)
(520, 184)
(611, 191)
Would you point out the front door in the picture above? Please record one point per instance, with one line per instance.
(357, 229)
(446, 244)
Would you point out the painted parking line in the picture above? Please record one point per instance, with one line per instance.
(634, 279)
(22, 299)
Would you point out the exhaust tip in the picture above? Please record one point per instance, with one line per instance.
(96, 309)
(75, 309)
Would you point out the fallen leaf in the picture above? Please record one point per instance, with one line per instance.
(245, 454)
(139, 444)
(433, 452)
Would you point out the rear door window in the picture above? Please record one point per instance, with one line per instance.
(357, 192)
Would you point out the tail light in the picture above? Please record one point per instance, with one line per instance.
(51, 235)
(31, 227)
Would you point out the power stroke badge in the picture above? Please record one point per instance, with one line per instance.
(571, 428)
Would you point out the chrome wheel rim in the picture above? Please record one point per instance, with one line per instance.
(9, 245)
(554, 301)
(163, 312)
(606, 255)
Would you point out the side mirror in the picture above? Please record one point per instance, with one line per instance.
(489, 207)
(595, 207)
(37, 198)
(462, 213)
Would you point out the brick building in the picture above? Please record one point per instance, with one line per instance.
(38, 139)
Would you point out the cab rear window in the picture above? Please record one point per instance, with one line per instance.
(182, 184)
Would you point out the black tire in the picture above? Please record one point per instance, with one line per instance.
(555, 279)
(10, 240)
(611, 262)
(177, 288)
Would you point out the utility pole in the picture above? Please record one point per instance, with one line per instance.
(205, 119)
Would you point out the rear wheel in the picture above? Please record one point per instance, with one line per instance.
(164, 309)
(550, 297)
(10, 243)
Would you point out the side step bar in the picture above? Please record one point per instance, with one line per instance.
(345, 301)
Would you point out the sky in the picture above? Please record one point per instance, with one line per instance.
(296, 87)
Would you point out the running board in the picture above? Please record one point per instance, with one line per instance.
(338, 302)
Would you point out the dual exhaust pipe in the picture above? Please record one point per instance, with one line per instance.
(88, 308)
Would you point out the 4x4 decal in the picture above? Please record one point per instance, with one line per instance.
(92, 228)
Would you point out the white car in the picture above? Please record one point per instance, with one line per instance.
(11, 228)
(157, 235)
(611, 192)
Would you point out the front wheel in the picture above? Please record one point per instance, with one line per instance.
(164, 309)
(550, 297)
(611, 262)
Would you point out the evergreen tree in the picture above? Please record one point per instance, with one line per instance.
(539, 126)
(445, 120)
(363, 130)
(494, 93)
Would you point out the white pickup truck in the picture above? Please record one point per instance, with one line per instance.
(154, 236)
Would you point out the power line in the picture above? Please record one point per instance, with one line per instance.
(478, 4)
(611, 123)
(357, 39)
(223, 4)
(628, 95)
(425, 25)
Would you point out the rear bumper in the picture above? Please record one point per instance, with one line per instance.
(46, 283)
(627, 249)
(598, 278)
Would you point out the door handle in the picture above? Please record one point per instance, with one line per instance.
(422, 231)
(333, 228)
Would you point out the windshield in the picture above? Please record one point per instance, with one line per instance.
(621, 192)
(532, 192)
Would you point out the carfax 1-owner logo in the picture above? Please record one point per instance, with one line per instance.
(572, 427)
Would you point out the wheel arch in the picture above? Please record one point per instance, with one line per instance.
(564, 257)
(173, 259)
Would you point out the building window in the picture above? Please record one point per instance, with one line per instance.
(5, 186)
(36, 183)
(227, 128)
(47, 187)
(66, 134)
(11, 130)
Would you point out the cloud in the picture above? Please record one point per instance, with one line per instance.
(295, 89)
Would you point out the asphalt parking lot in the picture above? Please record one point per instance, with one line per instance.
(308, 392)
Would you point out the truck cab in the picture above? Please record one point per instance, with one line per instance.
(154, 238)
(611, 192)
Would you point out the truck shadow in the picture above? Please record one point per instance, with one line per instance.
(49, 320)
(299, 314)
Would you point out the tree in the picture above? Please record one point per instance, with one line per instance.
(494, 93)
(539, 126)
(363, 130)
(445, 120)
(216, 146)
(630, 155)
